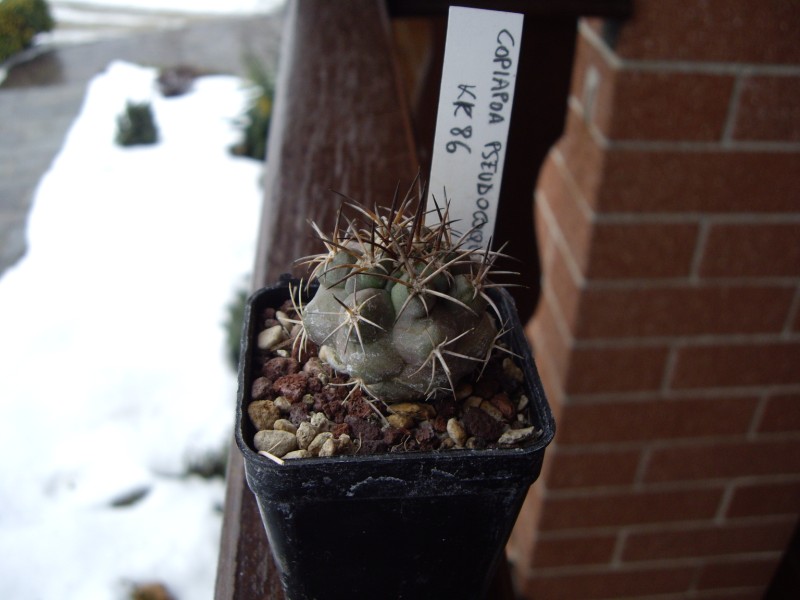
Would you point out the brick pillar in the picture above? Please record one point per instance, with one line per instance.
(668, 335)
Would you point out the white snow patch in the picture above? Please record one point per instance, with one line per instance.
(112, 347)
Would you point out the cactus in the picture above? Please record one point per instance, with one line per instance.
(401, 307)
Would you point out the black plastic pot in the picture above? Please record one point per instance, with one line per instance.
(415, 526)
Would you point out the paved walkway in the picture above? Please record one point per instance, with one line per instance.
(41, 98)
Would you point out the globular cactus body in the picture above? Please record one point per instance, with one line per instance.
(401, 308)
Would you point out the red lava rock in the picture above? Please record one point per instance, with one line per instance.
(293, 386)
(426, 437)
(372, 447)
(357, 406)
(268, 313)
(330, 406)
(315, 385)
(279, 366)
(363, 429)
(394, 435)
(262, 389)
(304, 352)
(440, 424)
(298, 413)
(504, 405)
(340, 429)
(481, 425)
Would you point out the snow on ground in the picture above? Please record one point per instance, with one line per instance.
(112, 348)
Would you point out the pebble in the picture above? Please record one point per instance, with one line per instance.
(315, 367)
(271, 337)
(261, 389)
(456, 432)
(285, 425)
(328, 447)
(306, 433)
(277, 443)
(293, 386)
(400, 421)
(282, 404)
(418, 411)
(523, 402)
(301, 453)
(474, 401)
(511, 370)
(491, 410)
(344, 443)
(502, 403)
(277, 367)
(263, 414)
(320, 422)
(316, 444)
(512, 437)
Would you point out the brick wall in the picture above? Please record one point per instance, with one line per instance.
(668, 335)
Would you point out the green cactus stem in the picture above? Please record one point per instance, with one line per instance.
(401, 307)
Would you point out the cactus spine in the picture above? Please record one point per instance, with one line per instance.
(401, 307)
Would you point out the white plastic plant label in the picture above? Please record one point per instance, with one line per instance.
(477, 91)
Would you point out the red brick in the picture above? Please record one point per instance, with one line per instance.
(571, 550)
(736, 365)
(586, 468)
(657, 311)
(709, 181)
(768, 109)
(722, 460)
(596, 101)
(637, 421)
(709, 540)
(754, 573)
(573, 223)
(595, 584)
(668, 106)
(747, 250)
(608, 509)
(712, 30)
(641, 250)
(765, 499)
(628, 369)
(566, 290)
(545, 238)
(583, 157)
(781, 414)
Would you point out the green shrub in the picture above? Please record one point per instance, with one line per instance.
(257, 118)
(20, 21)
(136, 126)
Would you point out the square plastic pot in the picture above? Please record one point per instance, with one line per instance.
(415, 525)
